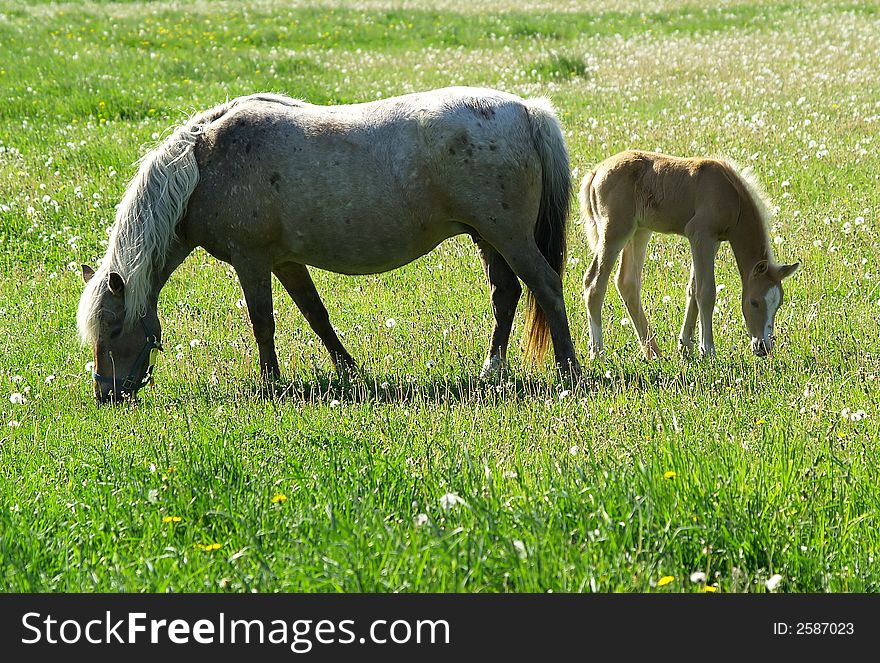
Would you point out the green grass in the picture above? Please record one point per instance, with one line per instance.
(736, 467)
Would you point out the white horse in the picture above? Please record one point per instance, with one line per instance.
(633, 194)
(270, 184)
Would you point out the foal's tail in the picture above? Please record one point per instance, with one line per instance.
(586, 198)
(551, 227)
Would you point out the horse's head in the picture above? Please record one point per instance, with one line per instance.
(124, 353)
(761, 298)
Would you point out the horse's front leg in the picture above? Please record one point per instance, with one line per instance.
(256, 282)
(703, 250)
(299, 285)
(504, 293)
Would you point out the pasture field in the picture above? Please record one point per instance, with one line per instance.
(417, 476)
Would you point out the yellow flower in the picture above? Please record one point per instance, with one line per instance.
(171, 519)
(278, 498)
(665, 580)
(208, 547)
(759, 422)
(710, 588)
(669, 474)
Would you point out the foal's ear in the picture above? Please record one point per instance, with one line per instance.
(115, 283)
(87, 273)
(760, 268)
(787, 270)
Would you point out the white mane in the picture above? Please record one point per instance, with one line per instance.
(151, 208)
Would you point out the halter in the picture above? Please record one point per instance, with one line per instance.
(148, 356)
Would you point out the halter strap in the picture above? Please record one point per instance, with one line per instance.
(131, 385)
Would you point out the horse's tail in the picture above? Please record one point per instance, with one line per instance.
(551, 227)
(586, 198)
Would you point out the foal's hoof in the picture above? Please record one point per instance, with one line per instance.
(707, 352)
(686, 350)
(651, 354)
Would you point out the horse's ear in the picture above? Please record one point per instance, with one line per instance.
(787, 270)
(760, 268)
(87, 273)
(115, 283)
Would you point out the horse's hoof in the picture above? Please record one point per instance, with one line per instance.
(569, 368)
(494, 369)
(347, 371)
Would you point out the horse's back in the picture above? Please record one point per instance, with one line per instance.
(363, 187)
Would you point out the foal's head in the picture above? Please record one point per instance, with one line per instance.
(124, 353)
(762, 295)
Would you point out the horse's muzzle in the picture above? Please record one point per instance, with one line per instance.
(762, 348)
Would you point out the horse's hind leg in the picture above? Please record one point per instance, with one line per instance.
(257, 286)
(527, 262)
(299, 285)
(629, 285)
(504, 293)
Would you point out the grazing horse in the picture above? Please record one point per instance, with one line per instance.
(633, 194)
(271, 184)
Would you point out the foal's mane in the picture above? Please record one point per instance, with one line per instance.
(153, 204)
(752, 197)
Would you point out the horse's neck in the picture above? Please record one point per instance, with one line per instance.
(750, 244)
(176, 255)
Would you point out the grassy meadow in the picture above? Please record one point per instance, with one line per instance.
(718, 474)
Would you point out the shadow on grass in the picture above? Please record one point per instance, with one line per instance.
(518, 386)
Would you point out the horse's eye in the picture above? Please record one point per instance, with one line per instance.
(115, 333)
(754, 303)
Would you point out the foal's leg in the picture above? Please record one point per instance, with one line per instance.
(629, 285)
(686, 337)
(527, 262)
(257, 286)
(596, 285)
(299, 285)
(504, 293)
(703, 250)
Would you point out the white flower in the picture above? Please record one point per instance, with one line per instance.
(194, 343)
(153, 495)
(450, 500)
(90, 366)
(49, 379)
(421, 519)
(16, 398)
(565, 393)
(574, 450)
(390, 322)
(698, 576)
(773, 582)
(666, 299)
(520, 548)
(334, 403)
(14, 424)
(16, 379)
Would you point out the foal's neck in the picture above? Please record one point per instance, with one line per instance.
(750, 243)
